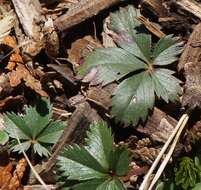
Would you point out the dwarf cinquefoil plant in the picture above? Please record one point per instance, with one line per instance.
(35, 129)
(98, 165)
(137, 64)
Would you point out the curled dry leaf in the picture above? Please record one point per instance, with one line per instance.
(9, 101)
(5, 176)
(15, 181)
(80, 48)
(22, 73)
(15, 56)
(9, 181)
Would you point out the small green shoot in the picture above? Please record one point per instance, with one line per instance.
(187, 174)
(35, 128)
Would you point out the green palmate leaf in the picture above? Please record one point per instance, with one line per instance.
(15, 126)
(112, 184)
(52, 132)
(41, 150)
(101, 184)
(136, 65)
(3, 137)
(21, 147)
(97, 163)
(114, 63)
(136, 42)
(39, 114)
(166, 51)
(133, 98)
(79, 164)
(100, 143)
(121, 166)
(166, 86)
(35, 129)
(90, 185)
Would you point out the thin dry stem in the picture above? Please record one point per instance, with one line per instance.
(168, 156)
(32, 167)
(146, 181)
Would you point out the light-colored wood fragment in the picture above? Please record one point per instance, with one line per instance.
(29, 13)
(151, 27)
(37, 28)
(190, 6)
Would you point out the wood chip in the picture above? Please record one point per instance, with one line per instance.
(192, 51)
(159, 126)
(81, 11)
(190, 62)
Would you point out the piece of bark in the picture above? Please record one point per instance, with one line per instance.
(159, 126)
(30, 22)
(191, 63)
(65, 71)
(4, 155)
(192, 51)
(190, 6)
(168, 20)
(101, 95)
(75, 132)
(193, 136)
(156, 7)
(192, 89)
(81, 11)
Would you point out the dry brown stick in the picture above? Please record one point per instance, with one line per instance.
(151, 27)
(80, 119)
(81, 11)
